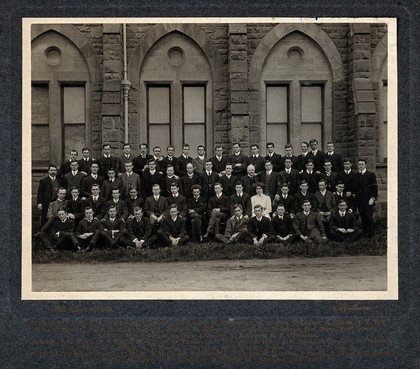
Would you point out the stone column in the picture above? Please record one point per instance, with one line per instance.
(364, 118)
(112, 114)
(238, 84)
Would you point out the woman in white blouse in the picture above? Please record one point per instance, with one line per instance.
(261, 199)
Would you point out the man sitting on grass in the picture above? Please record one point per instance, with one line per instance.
(197, 206)
(283, 225)
(343, 224)
(172, 229)
(236, 229)
(308, 225)
(139, 231)
(260, 229)
(218, 209)
(114, 228)
(88, 231)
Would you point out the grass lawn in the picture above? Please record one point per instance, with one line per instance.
(217, 251)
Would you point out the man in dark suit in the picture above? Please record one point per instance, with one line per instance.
(366, 195)
(168, 178)
(96, 202)
(290, 176)
(335, 159)
(344, 225)
(109, 184)
(208, 179)
(126, 157)
(90, 180)
(47, 192)
(189, 180)
(169, 159)
(178, 199)
(303, 157)
(271, 181)
(129, 180)
(182, 161)
(250, 181)
(241, 198)
(197, 206)
(150, 177)
(86, 161)
(256, 160)
(228, 180)
(325, 202)
(73, 179)
(140, 161)
(200, 161)
(172, 230)
(154, 207)
(260, 229)
(303, 195)
(219, 161)
(308, 225)
(88, 232)
(158, 158)
(121, 206)
(349, 177)
(287, 200)
(139, 231)
(75, 207)
(274, 158)
(113, 228)
(60, 202)
(107, 161)
(133, 201)
(310, 176)
(238, 160)
(340, 194)
(329, 176)
(217, 210)
(236, 230)
(283, 229)
(288, 149)
(65, 167)
(316, 155)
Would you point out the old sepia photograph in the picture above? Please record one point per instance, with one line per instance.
(209, 158)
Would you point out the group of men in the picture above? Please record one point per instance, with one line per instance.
(151, 200)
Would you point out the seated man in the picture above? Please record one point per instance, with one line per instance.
(61, 202)
(60, 234)
(236, 229)
(139, 231)
(287, 200)
(283, 225)
(121, 206)
(90, 180)
(242, 198)
(109, 184)
(197, 206)
(154, 207)
(325, 202)
(308, 225)
(169, 178)
(343, 224)
(75, 206)
(178, 199)
(113, 228)
(217, 209)
(260, 229)
(303, 195)
(88, 231)
(133, 200)
(172, 229)
(97, 203)
(260, 199)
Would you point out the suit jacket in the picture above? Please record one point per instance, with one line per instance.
(199, 165)
(181, 165)
(277, 161)
(70, 181)
(88, 227)
(141, 230)
(84, 165)
(292, 179)
(336, 162)
(219, 166)
(180, 201)
(257, 228)
(366, 187)
(139, 162)
(228, 184)
(117, 225)
(87, 182)
(349, 180)
(349, 200)
(318, 159)
(187, 183)
(63, 170)
(295, 161)
(309, 226)
(54, 206)
(199, 204)
(244, 200)
(107, 163)
(273, 187)
(348, 221)
(222, 203)
(259, 164)
(235, 225)
(282, 227)
(107, 186)
(313, 180)
(330, 180)
(129, 182)
(328, 199)
(208, 182)
(122, 159)
(155, 207)
(175, 229)
(98, 207)
(242, 159)
(249, 184)
(301, 162)
(148, 181)
(47, 191)
(166, 185)
(132, 203)
(165, 162)
(299, 198)
(59, 226)
(122, 209)
(77, 208)
(288, 202)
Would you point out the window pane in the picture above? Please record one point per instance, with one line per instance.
(194, 104)
(74, 137)
(310, 131)
(195, 135)
(277, 133)
(40, 101)
(40, 143)
(159, 135)
(159, 104)
(277, 104)
(74, 104)
(312, 104)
